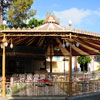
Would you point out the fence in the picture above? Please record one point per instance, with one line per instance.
(51, 88)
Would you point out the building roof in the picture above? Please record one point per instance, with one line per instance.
(50, 35)
(50, 24)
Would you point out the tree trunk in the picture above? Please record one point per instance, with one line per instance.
(1, 15)
(83, 67)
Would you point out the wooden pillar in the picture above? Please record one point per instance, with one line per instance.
(3, 69)
(70, 70)
(75, 64)
(64, 64)
(45, 64)
(50, 59)
(1, 15)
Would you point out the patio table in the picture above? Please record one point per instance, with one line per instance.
(44, 80)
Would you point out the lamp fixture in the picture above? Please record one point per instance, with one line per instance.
(73, 45)
(6, 44)
(11, 45)
(1, 46)
(70, 22)
(77, 44)
(67, 44)
(63, 46)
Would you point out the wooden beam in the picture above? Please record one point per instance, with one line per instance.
(63, 50)
(87, 46)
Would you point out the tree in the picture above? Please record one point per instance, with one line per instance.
(83, 60)
(4, 4)
(19, 13)
(34, 22)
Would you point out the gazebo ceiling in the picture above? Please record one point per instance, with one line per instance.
(51, 36)
(86, 46)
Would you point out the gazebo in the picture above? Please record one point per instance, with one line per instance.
(54, 39)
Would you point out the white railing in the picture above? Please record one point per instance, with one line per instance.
(36, 89)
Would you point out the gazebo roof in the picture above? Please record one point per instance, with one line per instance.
(50, 24)
(51, 19)
(50, 36)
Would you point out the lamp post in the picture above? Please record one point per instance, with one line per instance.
(71, 45)
(70, 70)
(70, 63)
(3, 45)
(70, 57)
(3, 66)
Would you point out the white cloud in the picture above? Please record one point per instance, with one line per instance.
(96, 12)
(74, 14)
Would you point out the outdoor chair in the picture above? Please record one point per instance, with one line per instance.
(42, 76)
(21, 78)
(29, 78)
(36, 75)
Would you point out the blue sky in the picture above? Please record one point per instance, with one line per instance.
(85, 14)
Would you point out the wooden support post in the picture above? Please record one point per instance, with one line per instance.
(50, 64)
(70, 70)
(75, 64)
(45, 64)
(64, 64)
(50, 59)
(3, 70)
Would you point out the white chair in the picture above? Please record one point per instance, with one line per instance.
(29, 78)
(42, 76)
(36, 77)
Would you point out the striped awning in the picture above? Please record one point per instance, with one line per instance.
(54, 45)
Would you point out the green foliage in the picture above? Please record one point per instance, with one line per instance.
(98, 69)
(4, 4)
(85, 71)
(98, 65)
(2, 27)
(34, 22)
(84, 59)
(19, 13)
